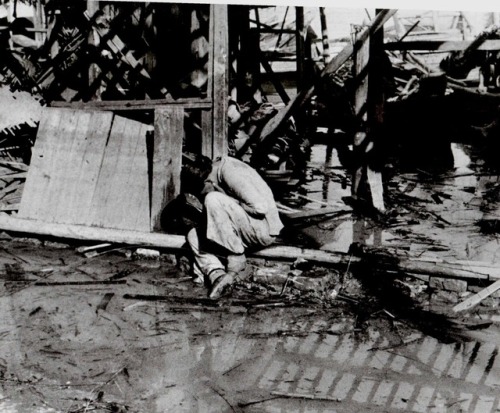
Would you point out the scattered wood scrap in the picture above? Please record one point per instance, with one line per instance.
(12, 179)
(477, 298)
(305, 396)
(104, 302)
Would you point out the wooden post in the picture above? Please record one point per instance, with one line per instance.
(369, 106)
(167, 159)
(244, 54)
(207, 133)
(220, 50)
(324, 35)
(361, 59)
(300, 46)
(376, 110)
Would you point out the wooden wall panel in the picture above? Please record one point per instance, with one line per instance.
(63, 184)
(42, 160)
(85, 169)
(115, 203)
(89, 168)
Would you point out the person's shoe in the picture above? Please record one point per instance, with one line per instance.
(221, 285)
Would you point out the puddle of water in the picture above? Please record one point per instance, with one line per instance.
(323, 359)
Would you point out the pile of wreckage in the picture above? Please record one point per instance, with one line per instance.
(123, 63)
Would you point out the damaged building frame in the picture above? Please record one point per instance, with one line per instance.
(121, 93)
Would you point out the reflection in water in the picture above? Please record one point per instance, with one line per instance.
(252, 357)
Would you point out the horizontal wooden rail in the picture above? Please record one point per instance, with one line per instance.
(134, 104)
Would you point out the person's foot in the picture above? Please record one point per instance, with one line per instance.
(221, 285)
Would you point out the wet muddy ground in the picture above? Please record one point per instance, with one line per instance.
(82, 334)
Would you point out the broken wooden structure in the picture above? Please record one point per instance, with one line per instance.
(109, 149)
(115, 163)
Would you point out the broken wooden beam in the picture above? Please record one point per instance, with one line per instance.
(312, 213)
(62, 283)
(87, 233)
(335, 64)
(287, 253)
(477, 298)
(432, 269)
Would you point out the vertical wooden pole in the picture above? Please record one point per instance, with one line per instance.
(300, 46)
(220, 94)
(207, 133)
(324, 35)
(361, 59)
(376, 111)
(167, 159)
(369, 109)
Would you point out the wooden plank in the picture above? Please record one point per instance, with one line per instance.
(110, 181)
(274, 79)
(316, 212)
(477, 298)
(167, 160)
(81, 232)
(207, 133)
(141, 168)
(361, 59)
(41, 163)
(324, 35)
(129, 195)
(20, 175)
(86, 163)
(375, 182)
(63, 183)
(135, 104)
(86, 233)
(115, 203)
(281, 117)
(133, 209)
(300, 47)
(376, 98)
(63, 142)
(10, 189)
(220, 79)
(441, 45)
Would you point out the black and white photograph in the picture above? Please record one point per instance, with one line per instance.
(249, 206)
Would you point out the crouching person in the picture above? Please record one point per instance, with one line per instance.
(239, 212)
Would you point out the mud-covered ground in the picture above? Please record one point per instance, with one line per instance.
(119, 333)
